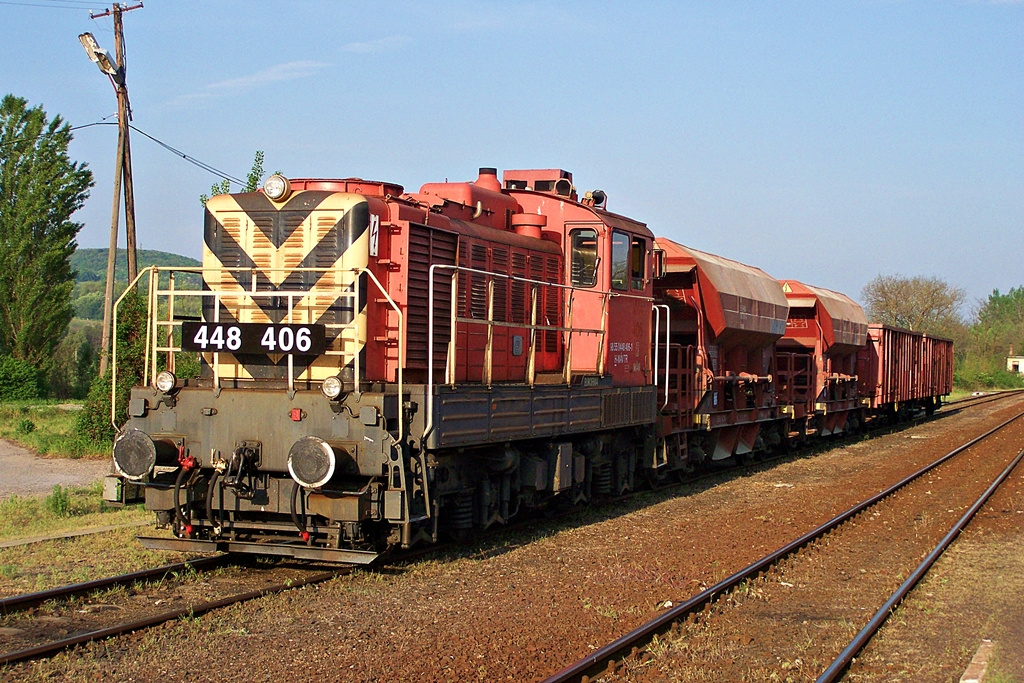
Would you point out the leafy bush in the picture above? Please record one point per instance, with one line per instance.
(977, 372)
(19, 381)
(186, 365)
(94, 419)
(26, 426)
(58, 503)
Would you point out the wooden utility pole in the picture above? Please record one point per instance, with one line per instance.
(108, 292)
(124, 115)
(122, 175)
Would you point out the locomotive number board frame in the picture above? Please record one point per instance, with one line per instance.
(299, 340)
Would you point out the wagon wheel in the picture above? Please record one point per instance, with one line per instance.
(657, 477)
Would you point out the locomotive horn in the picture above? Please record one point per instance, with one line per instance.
(599, 197)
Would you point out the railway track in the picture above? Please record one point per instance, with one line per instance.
(25, 601)
(70, 623)
(294, 576)
(101, 630)
(770, 460)
(602, 662)
(973, 401)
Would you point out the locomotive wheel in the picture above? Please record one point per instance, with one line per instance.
(657, 477)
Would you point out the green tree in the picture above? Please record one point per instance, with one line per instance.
(40, 189)
(252, 181)
(920, 304)
(1002, 318)
(74, 365)
(997, 332)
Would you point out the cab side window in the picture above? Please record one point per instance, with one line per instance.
(637, 263)
(584, 257)
(620, 260)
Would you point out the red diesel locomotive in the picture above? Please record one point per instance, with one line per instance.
(381, 368)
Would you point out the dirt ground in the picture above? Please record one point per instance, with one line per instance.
(22, 472)
(520, 606)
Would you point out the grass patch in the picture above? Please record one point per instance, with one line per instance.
(65, 509)
(40, 566)
(48, 429)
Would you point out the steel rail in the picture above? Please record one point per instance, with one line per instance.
(77, 533)
(18, 603)
(861, 639)
(981, 400)
(192, 610)
(576, 671)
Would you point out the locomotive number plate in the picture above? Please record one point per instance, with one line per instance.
(301, 340)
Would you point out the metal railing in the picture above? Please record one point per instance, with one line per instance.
(347, 332)
(657, 347)
(568, 330)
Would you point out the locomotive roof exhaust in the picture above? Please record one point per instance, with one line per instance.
(488, 179)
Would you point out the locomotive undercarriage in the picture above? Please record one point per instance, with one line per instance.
(223, 481)
(480, 488)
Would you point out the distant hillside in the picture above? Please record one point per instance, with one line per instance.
(91, 265)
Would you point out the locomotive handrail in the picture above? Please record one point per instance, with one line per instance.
(532, 326)
(113, 345)
(153, 348)
(657, 332)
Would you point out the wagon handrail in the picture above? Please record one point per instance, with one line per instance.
(113, 343)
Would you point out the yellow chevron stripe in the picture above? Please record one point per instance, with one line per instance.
(245, 231)
(304, 238)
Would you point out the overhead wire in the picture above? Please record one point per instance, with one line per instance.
(77, 8)
(192, 160)
(177, 152)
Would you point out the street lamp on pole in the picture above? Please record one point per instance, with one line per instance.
(101, 58)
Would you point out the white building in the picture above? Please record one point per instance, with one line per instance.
(1015, 364)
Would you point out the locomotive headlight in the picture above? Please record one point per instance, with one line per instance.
(311, 462)
(331, 387)
(277, 187)
(166, 381)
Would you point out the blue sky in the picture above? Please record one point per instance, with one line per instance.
(823, 141)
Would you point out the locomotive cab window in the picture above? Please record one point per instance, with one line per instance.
(637, 263)
(620, 260)
(584, 257)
